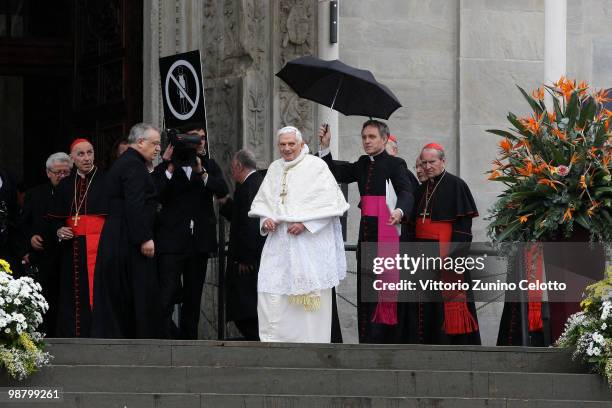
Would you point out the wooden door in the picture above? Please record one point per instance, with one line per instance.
(107, 70)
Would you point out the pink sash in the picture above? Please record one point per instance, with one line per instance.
(388, 246)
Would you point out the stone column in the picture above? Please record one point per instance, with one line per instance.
(555, 38)
(328, 51)
(294, 28)
(170, 27)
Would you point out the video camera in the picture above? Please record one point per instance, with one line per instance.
(185, 147)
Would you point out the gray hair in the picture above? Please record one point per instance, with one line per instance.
(246, 158)
(139, 131)
(441, 154)
(290, 129)
(58, 157)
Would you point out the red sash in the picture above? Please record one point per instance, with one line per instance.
(533, 269)
(89, 226)
(388, 246)
(457, 317)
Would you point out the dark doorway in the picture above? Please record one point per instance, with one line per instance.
(68, 69)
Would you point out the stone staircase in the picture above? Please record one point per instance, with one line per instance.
(162, 374)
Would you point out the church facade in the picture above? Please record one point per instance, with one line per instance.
(90, 68)
(453, 64)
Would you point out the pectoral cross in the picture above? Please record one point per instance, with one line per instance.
(424, 214)
(76, 219)
(283, 192)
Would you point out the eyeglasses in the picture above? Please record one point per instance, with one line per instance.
(59, 172)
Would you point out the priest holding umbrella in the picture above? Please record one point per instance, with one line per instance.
(353, 91)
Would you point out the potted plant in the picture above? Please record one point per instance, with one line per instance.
(555, 167)
(21, 309)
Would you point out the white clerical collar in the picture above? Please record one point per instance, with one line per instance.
(374, 155)
(247, 176)
(82, 175)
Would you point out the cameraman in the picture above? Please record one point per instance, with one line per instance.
(186, 231)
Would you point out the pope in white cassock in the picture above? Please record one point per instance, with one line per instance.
(299, 204)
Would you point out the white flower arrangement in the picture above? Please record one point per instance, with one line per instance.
(21, 309)
(590, 331)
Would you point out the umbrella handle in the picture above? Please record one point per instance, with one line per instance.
(337, 90)
(334, 100)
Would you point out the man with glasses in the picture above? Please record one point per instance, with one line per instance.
(39, 245)
(77, 214)
(443, 216)
(186, 233)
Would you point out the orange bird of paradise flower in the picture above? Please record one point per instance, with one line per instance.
(601, 96)
(560, 81)
(527, 170)
(591, 209)
(548, 182)
(538, 93)
(582, 182)
(532, 124)
(568, 214)
(495, 174)
(559, 133)
(574, 158)
(505, 145)
(566, 86)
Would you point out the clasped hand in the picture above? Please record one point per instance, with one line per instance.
(296, 228)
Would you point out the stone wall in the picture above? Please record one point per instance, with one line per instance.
(589, 42)
(410, 46)
(501, 46)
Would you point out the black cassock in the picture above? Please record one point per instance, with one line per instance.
(77, 256)
(36, 206)
(185, 236)
(449, 205)
(245, 246)
(371, 174)
(127, 291)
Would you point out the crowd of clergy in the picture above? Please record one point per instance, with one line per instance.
(122, 252)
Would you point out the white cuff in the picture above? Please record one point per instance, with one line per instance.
(169, 175)
(324, 152)
(261, 229)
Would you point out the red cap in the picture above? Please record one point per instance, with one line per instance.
(393, 138)
(77, 141)
(433, 146)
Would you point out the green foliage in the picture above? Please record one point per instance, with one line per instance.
(555, 167)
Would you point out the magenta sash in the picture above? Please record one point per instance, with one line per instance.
(388, 246)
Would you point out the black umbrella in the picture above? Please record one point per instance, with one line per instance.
(348, 90)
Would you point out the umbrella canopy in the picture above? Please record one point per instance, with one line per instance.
(348, 90)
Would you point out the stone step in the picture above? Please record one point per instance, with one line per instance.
(309, 381)
(152, 400)
(362, 356)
